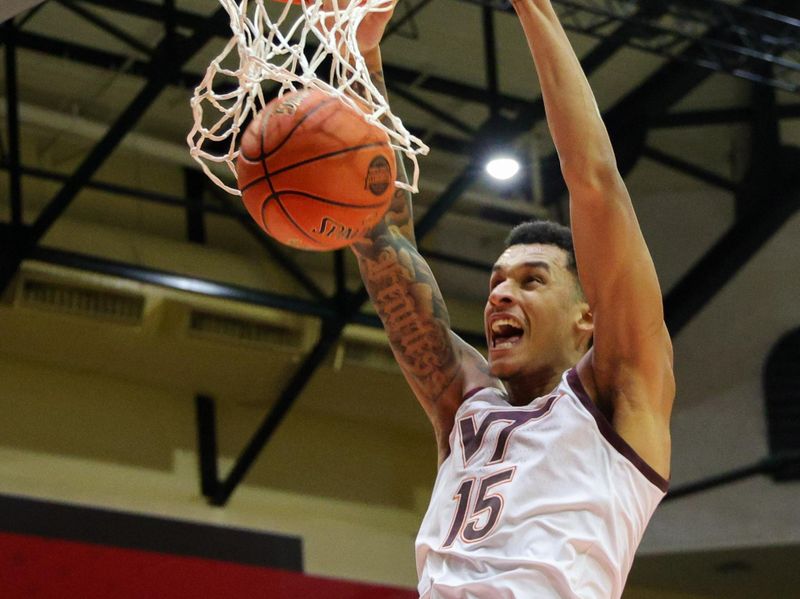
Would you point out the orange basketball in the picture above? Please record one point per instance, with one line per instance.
(313, 173)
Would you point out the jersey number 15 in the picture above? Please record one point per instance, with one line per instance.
(492, 503)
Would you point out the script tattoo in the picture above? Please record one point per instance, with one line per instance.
(405, 294)
(409, 303)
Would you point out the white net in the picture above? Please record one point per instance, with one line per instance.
(286, 45)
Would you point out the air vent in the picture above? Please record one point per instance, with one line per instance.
(369, 355)
(782, 396)
(285, 334)
(82, 301)
(364, 347)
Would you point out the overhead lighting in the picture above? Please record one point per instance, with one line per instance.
(502, 168)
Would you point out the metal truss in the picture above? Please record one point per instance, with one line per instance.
(772, 465)
(756, 44)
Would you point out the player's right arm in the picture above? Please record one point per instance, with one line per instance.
(438, 365)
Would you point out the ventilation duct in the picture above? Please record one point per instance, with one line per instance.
(284, 332)
(89, 302)
(365, 347)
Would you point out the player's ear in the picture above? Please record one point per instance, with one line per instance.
(584, 319)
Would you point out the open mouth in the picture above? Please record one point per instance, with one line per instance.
(506, 333)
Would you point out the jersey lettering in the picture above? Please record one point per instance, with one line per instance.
(472, 437)
(486, 507)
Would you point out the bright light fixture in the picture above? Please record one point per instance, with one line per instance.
(502, 168)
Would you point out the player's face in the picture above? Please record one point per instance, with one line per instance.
(532, 310)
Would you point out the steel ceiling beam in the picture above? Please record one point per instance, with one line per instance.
(650, 101)
(113, 188)
(11, 8)
(95, 57)
(490, 61)
(755, 36)
(280, 257)
(107, 26)
(768, 196)
(228, 209)
(214, 289)
(506, 129)
(407, 17)
(687, 168)
(123, 63)
(732, 251)
(168, 59)
(662, 27)
(194, 186)
(716, 116)
(12, 123)
(699, 118)
(770, 465)
(331, 331)
(188, 284)
(444, 116)
(156, 12)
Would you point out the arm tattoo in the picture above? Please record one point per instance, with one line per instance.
(405, 294)
(410, 305)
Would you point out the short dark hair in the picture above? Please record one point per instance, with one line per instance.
(548, 233)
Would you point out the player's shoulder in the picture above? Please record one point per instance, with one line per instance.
(473, 377)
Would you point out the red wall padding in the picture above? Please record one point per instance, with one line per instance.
(39, 568)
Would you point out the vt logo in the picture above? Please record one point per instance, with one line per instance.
(472, 436)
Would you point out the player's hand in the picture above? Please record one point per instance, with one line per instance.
(370, 31)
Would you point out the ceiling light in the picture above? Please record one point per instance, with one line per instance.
(502, 168)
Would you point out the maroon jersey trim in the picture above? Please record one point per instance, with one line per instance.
(472, 392)
(612, 436)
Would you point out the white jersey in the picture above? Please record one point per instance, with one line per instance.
(544, 501)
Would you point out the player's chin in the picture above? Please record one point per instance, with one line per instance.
(501, 364)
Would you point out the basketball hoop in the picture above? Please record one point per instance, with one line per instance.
(276, 43)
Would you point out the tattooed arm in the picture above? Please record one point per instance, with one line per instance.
(437, 364)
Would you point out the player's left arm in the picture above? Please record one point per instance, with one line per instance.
(630, 365)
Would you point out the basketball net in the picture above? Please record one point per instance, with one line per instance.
(287, 48)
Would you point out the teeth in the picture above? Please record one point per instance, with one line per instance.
(497, 324)
(503, 345)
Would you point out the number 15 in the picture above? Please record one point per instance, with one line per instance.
(485, 501)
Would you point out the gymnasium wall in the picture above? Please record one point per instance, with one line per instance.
(79, 437)
(57, 550)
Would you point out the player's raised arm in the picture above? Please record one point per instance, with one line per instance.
(630, 366)
(436, 363)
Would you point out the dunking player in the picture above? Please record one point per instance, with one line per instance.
(554, 455)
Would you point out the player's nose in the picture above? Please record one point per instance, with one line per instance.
(501, 294)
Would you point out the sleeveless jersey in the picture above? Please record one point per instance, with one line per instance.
(544, 501)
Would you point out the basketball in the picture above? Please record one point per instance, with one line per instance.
(313, 173)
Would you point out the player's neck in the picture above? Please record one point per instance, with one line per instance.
(524, 388)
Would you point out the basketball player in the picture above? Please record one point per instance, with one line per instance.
(554, 454)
